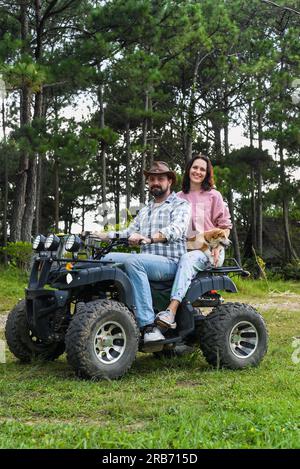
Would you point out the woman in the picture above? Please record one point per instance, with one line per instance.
(208, 211)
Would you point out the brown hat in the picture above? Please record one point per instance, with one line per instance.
(160, 167)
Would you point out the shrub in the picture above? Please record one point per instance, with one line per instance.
(19, 254)
(292, 271)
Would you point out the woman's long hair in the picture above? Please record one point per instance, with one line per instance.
(208, 182)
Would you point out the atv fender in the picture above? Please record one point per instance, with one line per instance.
(96, 275)
(203, 284)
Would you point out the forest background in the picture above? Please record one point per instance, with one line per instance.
(163, 79)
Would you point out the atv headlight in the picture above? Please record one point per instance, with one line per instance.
(73, 243)
(38, 243)
(52, 242)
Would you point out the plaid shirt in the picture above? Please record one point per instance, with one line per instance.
(171, 219)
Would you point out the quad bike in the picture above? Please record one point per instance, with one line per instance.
(79, 303)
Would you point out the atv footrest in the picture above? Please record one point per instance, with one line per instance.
(158, 346)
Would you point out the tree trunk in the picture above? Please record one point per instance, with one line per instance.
(144, 151)
(226, 140)
(83, 213)
(102, 146)
(117, 195)
(69, 220)
(217, 147)
(259, 191)
(234, 234)
(192, 107)
(235, 239)
(128, 158)
(151, 152)
(253, 182)
(183, 131)
(5, 197)
(30, 198)
(253, 208)
(39, 184)
(56, 194)
(191, 111)
(21, 180)
(290, 252)
(25, 197)
(38, 203)
(31, 186)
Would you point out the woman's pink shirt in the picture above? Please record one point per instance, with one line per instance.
(208, 210)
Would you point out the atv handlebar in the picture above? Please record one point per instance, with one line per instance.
(99, 251)
(90, 240)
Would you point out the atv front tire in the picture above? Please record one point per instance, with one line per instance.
(22, 342)
(102, 340)
(233, 335)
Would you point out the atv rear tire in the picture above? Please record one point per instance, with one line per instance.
(102, 340)
(234, 336)
(21, 341)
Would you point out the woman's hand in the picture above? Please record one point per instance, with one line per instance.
(216, 254)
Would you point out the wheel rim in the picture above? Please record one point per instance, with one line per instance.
(243, 339)
(109, 342)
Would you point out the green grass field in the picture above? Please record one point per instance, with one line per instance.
(169, 403)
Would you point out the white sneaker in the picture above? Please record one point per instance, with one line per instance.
(152, 334)
(166, 319)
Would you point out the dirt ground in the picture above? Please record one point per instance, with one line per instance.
(284, 301)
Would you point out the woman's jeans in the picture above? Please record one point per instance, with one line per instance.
(141, 268)
(189, 265)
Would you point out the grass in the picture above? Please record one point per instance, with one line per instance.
(176, 403)
(12, 284)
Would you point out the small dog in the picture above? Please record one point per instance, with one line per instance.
(208, 241)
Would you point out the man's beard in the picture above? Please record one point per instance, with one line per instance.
(158, 191)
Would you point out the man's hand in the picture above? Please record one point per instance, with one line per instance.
(158, 238)
(136, 238)
(96, 234)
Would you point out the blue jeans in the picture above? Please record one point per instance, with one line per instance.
(141, 268)
(189, 265)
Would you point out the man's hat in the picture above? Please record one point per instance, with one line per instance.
(160, 167)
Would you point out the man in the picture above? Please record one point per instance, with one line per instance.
(161, 228)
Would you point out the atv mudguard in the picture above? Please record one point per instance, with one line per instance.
(98, 275)
(42, 303)
(204, 283)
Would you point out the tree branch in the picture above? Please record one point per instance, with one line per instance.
(269, 2)
(48, 10)
(64, 7)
